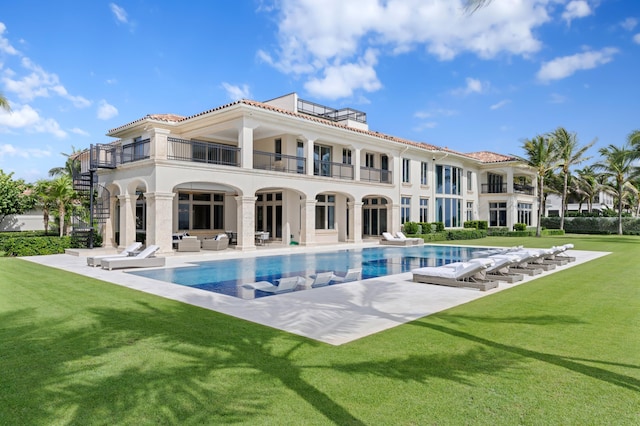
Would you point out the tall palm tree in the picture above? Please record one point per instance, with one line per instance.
(570, 154)
(62, 192)
(587, 185)
(45, 201)
(69, 164)
(617, 164)
(634, 139)
(541, 154)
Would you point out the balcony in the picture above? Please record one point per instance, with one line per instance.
(332, 114)
(203, 152)
(279, 162)
(523, 189)
(501, 188)
(369, 174)
(334, 170)
(135, 151)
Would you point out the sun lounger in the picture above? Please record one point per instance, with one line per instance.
(350, 275)
(458, 274)
(414, 240)
(322, 279)
(499, 271)
(390, 240)
(284, 285)
(525, 264)
(128, 251)
(144, 259)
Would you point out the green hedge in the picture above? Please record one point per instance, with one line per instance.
(34, 246)
(593, 225)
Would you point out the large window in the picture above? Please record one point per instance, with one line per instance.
(424, 210)
(448, 179)
(424, 173)
(405, 209)
(200, 210)
(346, 156)
(369, 160)
(325, 211)
(524, 213)
(448, 211)
(406, 170)
(497, 214)
(469, 210)
(469, 181)
(322, 160)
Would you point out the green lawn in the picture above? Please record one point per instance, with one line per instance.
(563, 349)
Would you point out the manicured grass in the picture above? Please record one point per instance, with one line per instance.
(563, 349)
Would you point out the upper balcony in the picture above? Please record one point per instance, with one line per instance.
(332, 114)
(501, 188)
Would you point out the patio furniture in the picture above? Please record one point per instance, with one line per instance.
(128, 251)
(284, 285)
(322, 279)
(262, 238)
(351, 275)
(145, 259)
(189, 243)
(414, 240)
(390, 240)
(458, 274)
(220, 242)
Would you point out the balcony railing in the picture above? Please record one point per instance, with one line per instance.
(523, 189)
(334, 170)
(369, 174)
(332, 114)
(279, 162)
(494, 188)
(203, 152)
(135, 151)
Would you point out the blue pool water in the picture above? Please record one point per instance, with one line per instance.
(226, 276)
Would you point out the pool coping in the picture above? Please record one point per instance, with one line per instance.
(335, 314)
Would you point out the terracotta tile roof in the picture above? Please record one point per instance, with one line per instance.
(484, 156)
(491, 157)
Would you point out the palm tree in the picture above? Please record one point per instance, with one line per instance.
(617, 164)
(542, 155)
(4, 103)
(587, 185)
(69, 164)
(45, 201)
(634, 139)
(571, 154)
(62, 192)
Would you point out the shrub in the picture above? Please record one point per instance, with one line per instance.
(483, 224)
(439, 226)
(426, 228)
(465, 234)
(471, 224)
(498, 231)
(410, 227)
(520, 227)
(34, 246)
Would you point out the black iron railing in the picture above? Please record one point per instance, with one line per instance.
(494, 188)
(279, 162)
(136, 151)
(334, 170)
(203, 152)
(369, 174)
(332, 114)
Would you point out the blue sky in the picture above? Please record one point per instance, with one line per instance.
(421, 69)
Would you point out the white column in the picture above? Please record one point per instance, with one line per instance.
(127, 219)
(356, 164)
(246, 222)
(160, 220)
(159, 144)
(245, 143)
(308, 225)
(355, 222)
(107, 229)
(309, 155)
(393, 217)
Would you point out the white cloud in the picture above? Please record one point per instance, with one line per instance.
(39, 83)
(566, 66)
(329, 42)
(106, 111)
(629, 24)
(636, 38)
(24, 117)
(236, 93)
(341, 80)
(8, 150)
(5, 46)
(576, 9)
(473, 86)
(79, 131)
(500, 104)
(119, 13)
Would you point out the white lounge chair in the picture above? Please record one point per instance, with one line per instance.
(563, 254)
(145, 259)
(128, 251)
(458, 274)
(322, 279)
(525, 264)
(499, 271)
(388, 239)
(414, 240)
(284, 285)
(351, 275)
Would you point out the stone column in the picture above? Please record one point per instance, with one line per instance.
(356, 164)
(355, 222)
(159, 144)
(108, 234)
(160, 220)
(245, 142)
(127, 219)
(309, 154)
(308, 225)
(246, 222)
(393, 217)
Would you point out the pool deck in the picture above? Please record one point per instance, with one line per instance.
(335, 315)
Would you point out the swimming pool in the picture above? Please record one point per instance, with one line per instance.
(227, 276)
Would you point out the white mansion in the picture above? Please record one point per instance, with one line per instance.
(303, 172)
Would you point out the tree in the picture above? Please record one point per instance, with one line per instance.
(587, 185)
(4, 103)
(15, 196)
(62, 193)
(45, 201)
(617, 164)
(542, 155)
(634, 139)
(69, 166)
(570, 154)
